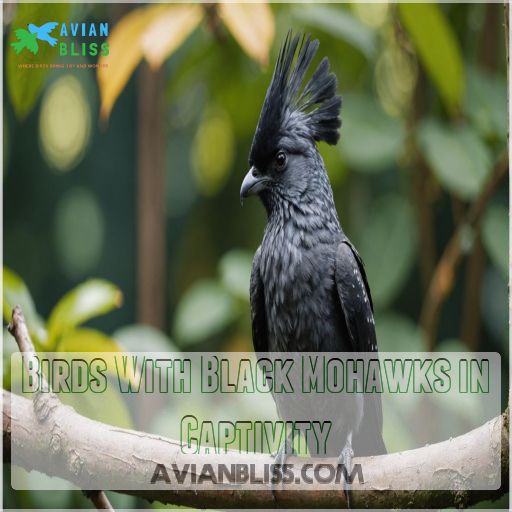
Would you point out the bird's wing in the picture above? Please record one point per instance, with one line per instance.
(25, 40)
(258, 315)
(22, 34)
(48, 27)
(355, 298)
(32, 45)
(356, 303)
(18, 46)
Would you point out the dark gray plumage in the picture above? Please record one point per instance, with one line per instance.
(308, 286)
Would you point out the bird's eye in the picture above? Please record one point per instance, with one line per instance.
(280, 160)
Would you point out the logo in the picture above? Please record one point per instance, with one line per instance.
(29, 38)
(74, 39)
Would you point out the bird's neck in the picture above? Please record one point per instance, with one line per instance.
(312, 212)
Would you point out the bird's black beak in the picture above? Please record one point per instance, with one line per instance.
(253, 183)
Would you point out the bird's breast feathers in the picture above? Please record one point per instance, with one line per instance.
(299, 287)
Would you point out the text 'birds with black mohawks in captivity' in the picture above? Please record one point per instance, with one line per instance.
(309, 291)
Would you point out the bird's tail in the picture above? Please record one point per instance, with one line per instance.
(52, 40)
(368, 441)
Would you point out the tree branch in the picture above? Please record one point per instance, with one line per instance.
(151, 244)
(444, 273)
(471, 318)
(45, 401)
(54, 439)
(125, 459)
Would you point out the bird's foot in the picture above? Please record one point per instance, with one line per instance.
(280, 458)
(345, 462)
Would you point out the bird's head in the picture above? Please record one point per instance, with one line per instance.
(284, 161)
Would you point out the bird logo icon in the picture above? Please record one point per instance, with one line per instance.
(29, 38)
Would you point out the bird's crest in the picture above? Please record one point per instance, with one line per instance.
(313, 111)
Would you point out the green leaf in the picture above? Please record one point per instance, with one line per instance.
(495, 236)
(235, 271)
(90, 299)
(451, 345)
(469, 405)
(389, 242)
(397, 333)
(15, 292)
(340, 23)
(15, 370)
(363, 121)
(24, 85)
(9, 347)
(457, 156)
(486, 103)
(204, 311)
(34, 482)
(395, 430)
(87, 340)
(437, 48)
(137, 338)
(106, 407)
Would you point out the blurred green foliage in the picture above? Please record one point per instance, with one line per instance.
(424, 123)
(458, 157)
(437, 47)
(23, 92)
(93, 298)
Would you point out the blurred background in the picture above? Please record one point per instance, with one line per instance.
(121, 182)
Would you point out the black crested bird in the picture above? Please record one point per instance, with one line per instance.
(309, 291)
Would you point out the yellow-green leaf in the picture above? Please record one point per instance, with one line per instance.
(88, 341)
(106, 407)
(338, 22)
(125, 53)
(252, 25)
(437, 48)
(92, 298)
(205, 310)
(458, 157)
(24, 85)
(15, 292)
(168, 32)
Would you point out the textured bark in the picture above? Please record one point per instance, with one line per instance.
(443, 278)
(45, 401)
(82, 450)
